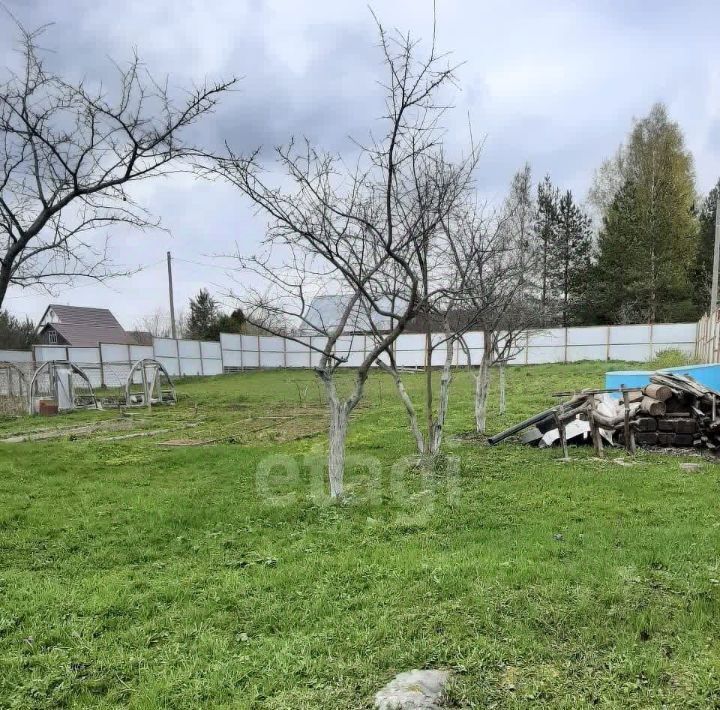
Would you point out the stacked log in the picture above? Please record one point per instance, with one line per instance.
(672, 411)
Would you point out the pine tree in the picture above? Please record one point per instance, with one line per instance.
(649, 227)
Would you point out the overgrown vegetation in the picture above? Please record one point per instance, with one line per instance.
(671, 357)
(142, 575)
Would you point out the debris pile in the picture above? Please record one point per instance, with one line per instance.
(672, 411)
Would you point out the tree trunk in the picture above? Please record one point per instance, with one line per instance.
(502, 389)
(339, 415)
(482, 386)
(409, 407)
(336, 455)
(5, 275)
(429, 384)
(445, 380)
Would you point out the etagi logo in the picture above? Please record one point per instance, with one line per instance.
(410, 489)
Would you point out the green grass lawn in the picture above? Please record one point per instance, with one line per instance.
(135, 574)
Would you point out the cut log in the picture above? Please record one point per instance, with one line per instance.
(653, 407)
(683, 440)
(659, 392)
(647, 438)
(685, 426)
(646, 424)
(665, 438)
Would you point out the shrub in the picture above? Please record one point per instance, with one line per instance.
(672, 357)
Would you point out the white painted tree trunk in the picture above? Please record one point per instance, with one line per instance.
(503, 403)
(412, 415)
(444, 398)
(482, 386)
(339, 416)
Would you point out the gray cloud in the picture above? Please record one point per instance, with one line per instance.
(556, 85)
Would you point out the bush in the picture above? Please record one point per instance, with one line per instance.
(672, 357)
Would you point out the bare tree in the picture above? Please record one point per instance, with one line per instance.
(158, 323)
(499, 258)
(67, 155)
(352, 230)
(445, 315)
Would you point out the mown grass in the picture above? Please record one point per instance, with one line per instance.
(137, 575)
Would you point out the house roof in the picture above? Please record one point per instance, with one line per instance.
(80, 315)
(81, 335)
(86, 327)
(325, 313)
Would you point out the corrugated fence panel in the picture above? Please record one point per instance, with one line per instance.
(23, 356)
(193, 357)
(575, 353)
(593, 335)
(675, 333)
(189, 349)
(141, 352)
(165, 347)
(297, 354)
(43, 353)
(171, 364)
(637, 352)
(629, 334)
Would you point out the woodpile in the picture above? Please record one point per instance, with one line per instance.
(672, 411)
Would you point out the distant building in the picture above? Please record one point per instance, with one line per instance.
(81, 327)
(326, 312)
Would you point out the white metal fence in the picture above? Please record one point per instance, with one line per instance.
(109, 364)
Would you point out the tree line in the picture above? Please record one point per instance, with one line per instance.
(639, 250)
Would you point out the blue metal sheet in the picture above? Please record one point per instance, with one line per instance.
(708, 375)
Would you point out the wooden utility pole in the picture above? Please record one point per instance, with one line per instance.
(716, 259)
(172, 300)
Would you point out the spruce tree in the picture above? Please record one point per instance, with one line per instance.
(546, 226)
(705, 250)
(570, 259)
(204, 313)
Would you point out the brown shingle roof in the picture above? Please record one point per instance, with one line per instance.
(80, 315)
(88, 336)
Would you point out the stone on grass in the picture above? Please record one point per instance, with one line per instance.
(413, 690)
(690, 466)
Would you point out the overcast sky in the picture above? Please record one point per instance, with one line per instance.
(556, 84)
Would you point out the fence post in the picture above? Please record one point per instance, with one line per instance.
(607, 343)
(527, 346)
(652, 330)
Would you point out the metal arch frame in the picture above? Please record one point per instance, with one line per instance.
(65, 363)
(140, 365)
(13, 366)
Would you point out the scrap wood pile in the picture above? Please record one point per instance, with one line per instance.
(672, 411)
